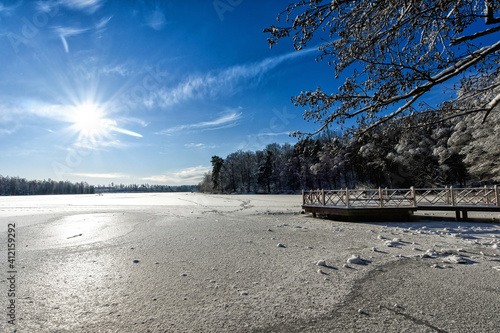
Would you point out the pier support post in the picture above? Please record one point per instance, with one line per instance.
(380, 198)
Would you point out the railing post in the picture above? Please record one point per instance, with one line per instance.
(380, 197)
(323, 197)
(347, 197)
(452, 196)
(413, 197)
(486, 196)
(497, 197)
(303, 197)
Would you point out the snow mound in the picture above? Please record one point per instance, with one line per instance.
(355, 259)
(321, 263)
(390, 243)
(455, 259)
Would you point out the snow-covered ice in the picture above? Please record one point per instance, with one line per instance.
(207, 263)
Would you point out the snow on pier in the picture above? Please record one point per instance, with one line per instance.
(400, 203)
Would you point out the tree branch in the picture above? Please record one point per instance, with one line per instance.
(439, 78)
(474, 36)
(494, 102)
(394, 114)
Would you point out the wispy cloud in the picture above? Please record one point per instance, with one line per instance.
(274, 133)
(32, 108)
(260, 140)
(47, 6)
(7, 131)
(156, 19)
(227, 120)
(125, 131)
(69, 31)
(186, 176)
(223, 81)
(121, 70)
(101, 175)
(198, 146)
(88, 6)
(9, 112)
(100, 144)
(133, 120)
(7, 10)
(65, 32)
(102, 23)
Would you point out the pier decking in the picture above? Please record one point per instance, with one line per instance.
(400, 203)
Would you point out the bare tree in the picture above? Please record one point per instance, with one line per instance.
(392, 53)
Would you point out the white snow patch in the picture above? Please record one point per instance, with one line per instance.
(321, 263)
(355, 259)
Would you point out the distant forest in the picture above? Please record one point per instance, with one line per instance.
(21, 186)
(414, 151)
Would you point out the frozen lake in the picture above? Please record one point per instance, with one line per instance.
(188, 262)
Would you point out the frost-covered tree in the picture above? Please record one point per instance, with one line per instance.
(293, 169)
(372, 164)
(478, 141)
(308, 151)
(247, 170)
(479, 144)
(482, 152)
(322, 170)
(266, 170)
(217, 164)
(452, 169)
(232, 166)
(392, 54)
(413, 153)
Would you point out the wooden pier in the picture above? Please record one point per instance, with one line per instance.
(400, 203)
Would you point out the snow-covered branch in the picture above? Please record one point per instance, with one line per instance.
(393, 55)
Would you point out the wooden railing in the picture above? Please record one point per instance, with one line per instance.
(412, 197)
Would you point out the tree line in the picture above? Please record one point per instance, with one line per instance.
(413, 151)
(144, 188)
(22, 186)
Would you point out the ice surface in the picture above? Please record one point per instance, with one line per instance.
(208, 263)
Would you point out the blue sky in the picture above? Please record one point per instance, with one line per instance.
(143, 91)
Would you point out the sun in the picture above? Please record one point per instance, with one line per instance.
(88, 117)
(89, 121)
(93, 125)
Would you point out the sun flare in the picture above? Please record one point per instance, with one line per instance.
(93, 125)
(89, 121)
(88, 117)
